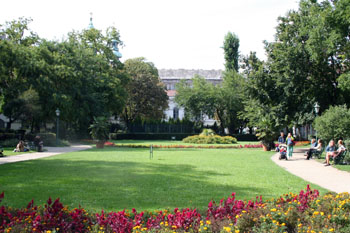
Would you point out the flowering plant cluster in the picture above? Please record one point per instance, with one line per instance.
(303, 212)
(210, 139)
(184, 146)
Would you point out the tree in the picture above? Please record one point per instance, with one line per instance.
(229, 101)
(305, 64)
(334, 123)
(147, 98)
(16, 65)
(82, 77)
(231, 45)
(197, 97)
(79, 75)
(222, 101)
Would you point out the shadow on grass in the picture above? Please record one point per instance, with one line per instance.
(113, 185)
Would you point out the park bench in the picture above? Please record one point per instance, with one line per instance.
(339, 159)
(318, 153)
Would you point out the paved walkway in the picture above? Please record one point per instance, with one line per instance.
(315, 172)
(51, 151)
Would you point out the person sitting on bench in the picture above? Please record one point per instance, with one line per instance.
(333, 154)
(314, 147)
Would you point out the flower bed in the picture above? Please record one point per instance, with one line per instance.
(303, 212)
(210, 139)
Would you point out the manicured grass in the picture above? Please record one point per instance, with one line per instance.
(340, 167)
(8, 151)
(167, 142)
(118, 178)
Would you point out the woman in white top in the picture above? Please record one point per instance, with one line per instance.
(314, 148)
(334, 154)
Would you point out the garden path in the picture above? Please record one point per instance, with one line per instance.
(315, 172)
(51, 151)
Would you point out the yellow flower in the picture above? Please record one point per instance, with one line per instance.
(332, 229)
(316, 213)
(205, 228)
(236, 231)
(300, 225)
(227, 229)
(273, 210)
(208, 222)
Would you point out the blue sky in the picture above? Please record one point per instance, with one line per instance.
(172, 34)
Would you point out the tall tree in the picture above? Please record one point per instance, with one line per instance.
(196, 97)
(147, 98)
(231, 46)
(16, 65)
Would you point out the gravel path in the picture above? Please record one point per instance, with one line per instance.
(315, 172)
(51, 151)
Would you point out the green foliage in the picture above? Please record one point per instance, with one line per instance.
(210, 139)
(197, 99)
(222, 102)
(334, 123)
(207, 132)
(207, 136)
(99, 130)
(9, 143)
(149, 136)
(231, 45)
(79, 75)
(147, 98)
(49, 139)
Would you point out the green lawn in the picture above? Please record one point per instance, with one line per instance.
(118, 178)
(340, 167)
(8, 151)
(167, 142)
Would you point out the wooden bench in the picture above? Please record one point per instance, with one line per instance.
(339, 159)
(318, 153)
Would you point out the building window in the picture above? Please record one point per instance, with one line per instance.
(175, 113)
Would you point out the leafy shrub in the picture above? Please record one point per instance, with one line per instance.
(9, 143)
(214, 139)
(148, 136)
(6, 136)
(334, 123)
(207, 132)
(49, 139)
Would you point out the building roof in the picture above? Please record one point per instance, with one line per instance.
(188, 74)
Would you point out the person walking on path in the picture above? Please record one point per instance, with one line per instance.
(290, 143)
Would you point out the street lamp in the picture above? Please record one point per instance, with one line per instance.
(57, 124)
(317, 109)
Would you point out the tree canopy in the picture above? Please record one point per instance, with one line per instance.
(79, 75)
(147, 98)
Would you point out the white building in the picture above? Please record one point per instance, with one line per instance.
(170, 77)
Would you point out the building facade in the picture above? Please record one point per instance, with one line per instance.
(170, 77)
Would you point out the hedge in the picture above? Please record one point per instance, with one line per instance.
(49, 139)
(168, 136)
(245, 137)
(149, 136)
(7, 136)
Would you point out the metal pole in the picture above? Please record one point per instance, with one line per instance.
(151, 152)
(57, 130)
